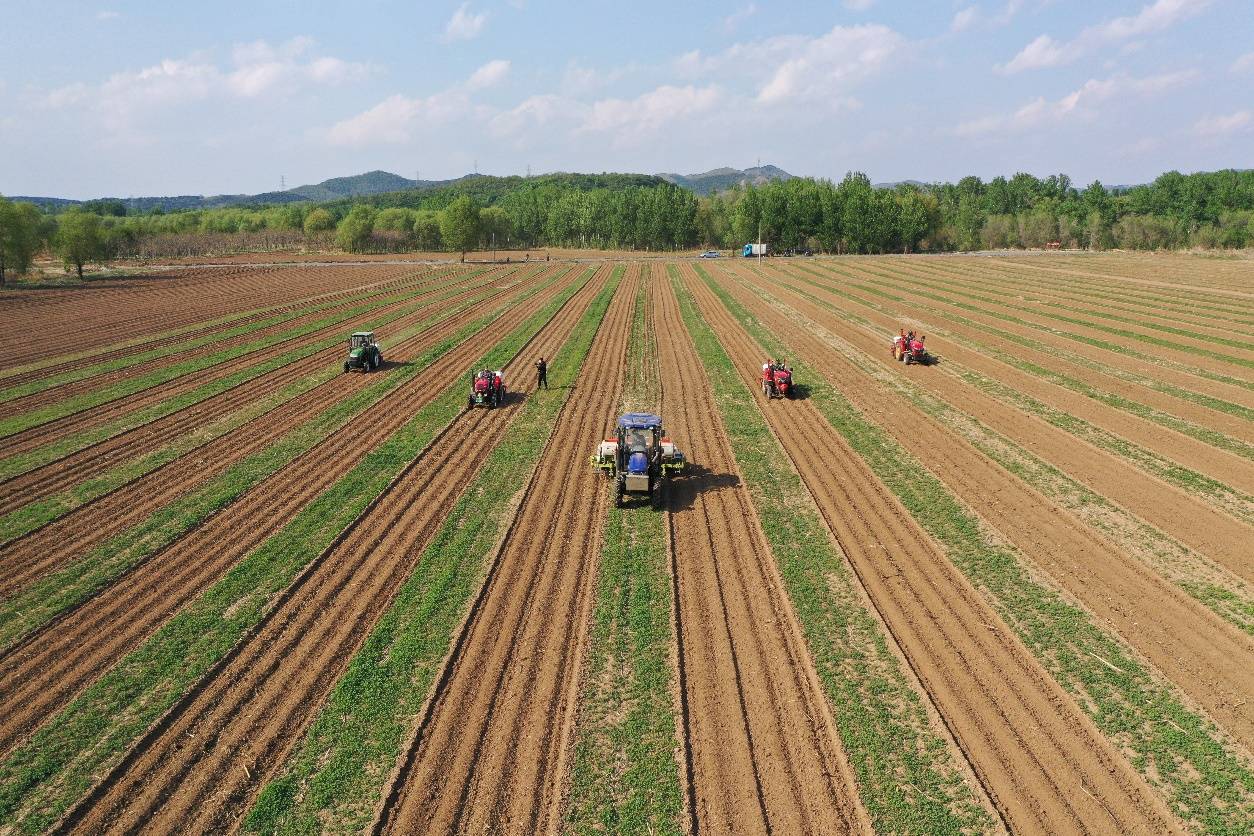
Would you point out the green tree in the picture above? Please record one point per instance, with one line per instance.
(459, 225)
(319, 220)
(427, 231)
(19, 236)
(495, 227)
(80, 239)
(353, 233)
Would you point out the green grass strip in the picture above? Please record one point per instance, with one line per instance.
(35, 605)
(42, 778)
(1211, 490)
(1205, 435)
(138, 383)
(1115, 348)
(339, 771)
(43, 511)
(41, 384)
(1176, 749)
(907, 778)
(40, 456)
(1189, 570)
(625, 777)
(1035, 347)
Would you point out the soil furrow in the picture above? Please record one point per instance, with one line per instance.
(48, 548)
(253, 709)
(765, 753)
(1209, 659)
(1194, 522)
(48, 669)
(1044, 764)
(91, 416)
(489, 749)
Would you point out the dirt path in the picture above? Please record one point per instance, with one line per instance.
(43, 673)
(1192, 521)
(256, 706)
(1044, 764)
(763, 753)
(490, 749)
(47, 549)
(1208, 658)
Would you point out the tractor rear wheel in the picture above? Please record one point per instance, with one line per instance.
(619, 490)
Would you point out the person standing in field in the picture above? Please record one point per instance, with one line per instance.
(542, 374)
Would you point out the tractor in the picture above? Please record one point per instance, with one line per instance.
(776, 381)
(487, 388)
(916, 352)
(639, 458)
(363, 352)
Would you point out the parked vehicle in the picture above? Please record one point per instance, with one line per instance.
(751, 250)
(710, 254)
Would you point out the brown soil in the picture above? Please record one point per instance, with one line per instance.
(1043, 763)
(1209, 659)
(45, 671)
(201, 766)
(53, 546)
(490, 748)
(762, 751)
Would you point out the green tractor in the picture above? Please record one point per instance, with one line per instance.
(363, 352)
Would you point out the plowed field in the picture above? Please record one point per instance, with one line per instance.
(1009, 589)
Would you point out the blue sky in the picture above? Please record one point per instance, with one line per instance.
(137, 98)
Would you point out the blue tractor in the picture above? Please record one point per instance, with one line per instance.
(639, 458)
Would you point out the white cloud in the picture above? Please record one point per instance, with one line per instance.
(1222, 126)
(536, 112)
(488, 75)
(1244, 63)
(964, 19)
(798, 66)
(859, 5)
(649, 111)
(739, 16)
(1045, 51)
(107, 15)
(464, 24)
(1041, 111)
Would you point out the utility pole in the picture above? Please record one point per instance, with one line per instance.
(528, 171)
(494, 246)
(282, 183)
(759, 240)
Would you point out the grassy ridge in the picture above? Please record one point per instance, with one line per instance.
(40, 384)
(45, 510)
(907, 778)
(39, 780)
(1178, 750)
(38, 457)
(1228, 596)
(625, 778)
(1211, 490)
(43, 600)
(338, 772)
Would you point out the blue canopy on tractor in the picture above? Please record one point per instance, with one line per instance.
(639, 421)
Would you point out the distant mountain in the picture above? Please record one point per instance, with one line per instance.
(722, 179)
(893, 185)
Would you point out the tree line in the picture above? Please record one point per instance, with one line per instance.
(637, 212)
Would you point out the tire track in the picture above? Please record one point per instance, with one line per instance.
(253, 709)
(92, 416)
(763, 751)
(1042, 762)
(44, 550)
(40, 675)
(1207, 658)
(1203, 528)
(489, 751)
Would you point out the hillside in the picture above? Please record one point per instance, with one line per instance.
(722, 179)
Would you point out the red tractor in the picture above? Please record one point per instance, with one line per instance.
(910, 348)
(487, 388)
(776, 380)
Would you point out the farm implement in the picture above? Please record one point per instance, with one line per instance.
(776, 381)
(487, 388)
(910, 348)
(639, 458)
(363, 352)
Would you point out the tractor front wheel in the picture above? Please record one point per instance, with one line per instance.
(619, 490)
(346, 368)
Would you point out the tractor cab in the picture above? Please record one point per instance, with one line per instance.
(363, 352)
(638, 457)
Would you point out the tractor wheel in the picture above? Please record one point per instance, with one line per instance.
(346, 368)
(659, 494)
(619, 488)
